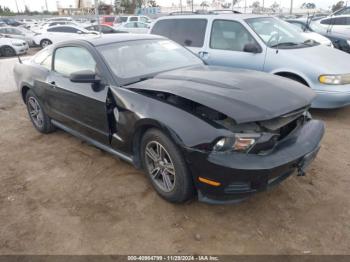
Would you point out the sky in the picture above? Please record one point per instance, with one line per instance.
(40, 5)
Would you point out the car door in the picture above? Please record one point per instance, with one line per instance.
(79, 106)
(226, 46)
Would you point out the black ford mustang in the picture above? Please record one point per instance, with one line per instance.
(218, 133)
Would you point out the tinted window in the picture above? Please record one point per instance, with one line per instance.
(63, 29)
(72, 59)
(229, 35)
(134, 18)
(335, 21)
(122, 19)
(106, 29)
(109, 19)
(187, 32)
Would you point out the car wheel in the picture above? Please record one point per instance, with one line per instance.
(166, 167)
(8, 51)
(45, 42)
(37, 114)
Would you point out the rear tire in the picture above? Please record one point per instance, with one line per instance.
(45, 42)
(166, 167)
(37, 115)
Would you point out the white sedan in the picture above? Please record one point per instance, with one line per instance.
(134, 27)
(57, 34)
(12, 47)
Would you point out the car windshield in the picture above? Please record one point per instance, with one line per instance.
(277, 33)
(137, 60)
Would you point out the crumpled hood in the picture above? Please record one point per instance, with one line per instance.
(243, 95)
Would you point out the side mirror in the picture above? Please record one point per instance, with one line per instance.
(85, 76)
(252, 48)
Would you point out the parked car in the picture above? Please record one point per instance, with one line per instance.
(313, 36)
(343, 11)
(231, 132)
(336, 22)
(339, 40)
(105, 29)
(134, 27)
(12, 47)
(59, 18)
(28, 23)
(126, 19)
(18, 33)
(46, 25)
(263, 43)
(10, 21)
(61, 33)
(107, 20)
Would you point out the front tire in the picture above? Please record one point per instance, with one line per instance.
(37, 115)
(166, 167)
(45, 42)
(8, 51)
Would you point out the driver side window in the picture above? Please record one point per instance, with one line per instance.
(230, 35)
(71, 59)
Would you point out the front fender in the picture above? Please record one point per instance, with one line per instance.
(138, 110)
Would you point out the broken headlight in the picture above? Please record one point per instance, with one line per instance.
(238, 143)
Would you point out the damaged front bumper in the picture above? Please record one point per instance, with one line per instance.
(241, 175)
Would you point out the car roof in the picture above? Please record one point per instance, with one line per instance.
(206, 16)
(116, 38)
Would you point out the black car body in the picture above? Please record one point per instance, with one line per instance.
(340, 40)
(234, 132)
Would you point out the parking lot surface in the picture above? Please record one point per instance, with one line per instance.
(59, 195)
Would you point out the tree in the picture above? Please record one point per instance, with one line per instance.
(153, 3)
(307, 5)
(26, 10)
(256, 4)
(204, 4)
(338, 6)
(275, 6)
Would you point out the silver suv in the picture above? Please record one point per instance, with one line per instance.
(267, 44)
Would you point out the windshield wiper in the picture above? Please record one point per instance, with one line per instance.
(285, 44)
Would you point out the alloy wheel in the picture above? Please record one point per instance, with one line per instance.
(160, 166)
(35, 112)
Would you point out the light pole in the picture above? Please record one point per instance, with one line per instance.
(97, 15)
(291, 6)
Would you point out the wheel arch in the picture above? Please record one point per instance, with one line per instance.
(24, 90)
(293, 76)
(141, 128)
